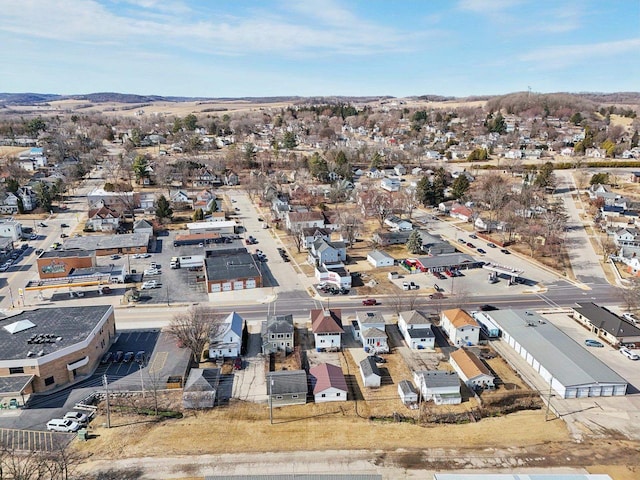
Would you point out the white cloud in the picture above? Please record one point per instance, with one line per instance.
(561, 55)
(487, 6)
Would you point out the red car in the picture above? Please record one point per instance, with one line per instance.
(369, 301)
(237, 363)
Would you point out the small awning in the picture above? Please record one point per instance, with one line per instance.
(78, 364)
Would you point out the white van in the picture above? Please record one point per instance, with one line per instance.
(62, 425)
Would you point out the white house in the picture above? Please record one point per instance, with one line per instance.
(378, 259)
(397, 224)
(296, 221)
(400, 170)
(416, 330)
(369, 372)
(471, 370)
(369, 328)
(326, 326)
(390, 184)
(407, 392)
(460, 327)
(438, 385)
(9, 228)
(328, 383)
(226, 338)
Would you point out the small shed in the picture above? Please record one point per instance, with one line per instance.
(378, 259)
(200, 388)
(370, 372)
(407, 392)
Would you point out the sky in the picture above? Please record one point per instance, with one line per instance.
(245, 48)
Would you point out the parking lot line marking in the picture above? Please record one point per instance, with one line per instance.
(158, 362)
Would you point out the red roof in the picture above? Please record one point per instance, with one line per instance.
(323, 321)
(327, 376)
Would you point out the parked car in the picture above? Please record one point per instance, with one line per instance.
(487, 308)
(593, 343)
(64, 225)
(470, 245)
(39, 251)
(481, 251)
(105, 290)
(462, 240)
(33, 236)
(436, 296)
(237, 363)
(630, 317)
(43, 225)
(472, 236)
(118, 356)
(629, 354)
(140, 356)
(491, 245)
(64, 235)
(128, 357)
(152, 271)
(369, 302)
(62, 425)
(378, 359)
(149, 284)
(77, 417)
(505, 251)
(107, 358)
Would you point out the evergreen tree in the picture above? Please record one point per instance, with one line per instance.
(414, 243)
(289, 141)
(198, 215)
(460, 186)
(190, 122)
(139, 167)
(545, 177)
(163, 209)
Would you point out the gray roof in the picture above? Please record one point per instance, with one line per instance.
(15, 384)
(520, 476)
(107, 242)
(606, 320)
(448, 260)
(279, 324)
(407, 387)
(300, 476)
(420, 332)
(438, 378)
(563, 358)
(67, 254)
(373, 333)
(231, 266)
(202, 380)
(142, 224)
(287, 382)
(379, 255)
(69, 324)
(369, 367)
(414, 317)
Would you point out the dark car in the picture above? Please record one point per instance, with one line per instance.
(237, 363)
(64, 225)
(140, 356)
(436, 296)
(505, 251)
(43, 225)
(64, 235)
(119, 355)
(378, 359)
(128, 357)
(491, 245)
(39, 251)
(480, 250)
(107, 358)
(472, 236)
(470, 245)
(369, 302)
(487, 308)
(462, 240)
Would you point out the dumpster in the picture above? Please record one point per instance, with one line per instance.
(82, 434)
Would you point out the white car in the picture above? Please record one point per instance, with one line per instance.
(142, 255)
(630, 317)
(148, 285)
(62, 425)
(77, 417)
(629, 354)
(152, 271)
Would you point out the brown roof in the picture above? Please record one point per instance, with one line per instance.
(103, 212)
(323, 321)
(460, 318)
(469, 363)
(305, 216)
(327, 376)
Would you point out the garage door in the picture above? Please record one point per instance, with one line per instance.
(226, 287)
(595, 391)
(536, 365)
(544, 373)
(215, 287)
(570, 393)
(607, 391)
(583, 392)
(238, 285)
(251, 283)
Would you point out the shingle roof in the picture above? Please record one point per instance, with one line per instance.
(327, 376)
(604, 319)
(460, 318)
(323, 321)
(469, 363)
(438, 378)
(369, 367)
(202, 380)
(414, 317)
(279, 324)
(287, 382)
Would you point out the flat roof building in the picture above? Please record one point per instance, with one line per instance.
(110, 244)
(571, 370)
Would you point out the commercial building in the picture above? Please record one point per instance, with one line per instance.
(606, 325)
(110, 244)
(232, 271)
(48, 348)
(570, 369)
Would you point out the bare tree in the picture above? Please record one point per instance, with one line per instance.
(630, 296)
(194, 327)
(404, 301)
(350, 225)
(296, 236)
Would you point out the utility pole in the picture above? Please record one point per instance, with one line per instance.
(106, 389)
(546, 414)
(270, 401)
(141, 378)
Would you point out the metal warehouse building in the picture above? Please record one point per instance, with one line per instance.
(572, 371)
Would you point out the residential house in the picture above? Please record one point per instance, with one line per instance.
(380, 259)
(375, 173)
(445, 207)
(595, 153)
(10, 228)
(628, 241)
(287, 387)
(142, 226)
(433, 155)
(441, 386)
(408, 393)
(24, 195)
(200, 389)
(397, 224)
(370, 373)
(322, 252)
(384, 238)
(328, 383)
(390, 184)
(605, 324)
(117, 201)
(416, 330)
(231, 178)
(280, 206)
(460, 327)
(148, 201)
(208, 202)
(369, 329)
(277, 334)
(326, 326)
(225, 339)
(461, 212)
(103, 219)
(296, 221)
(32, 159)
(311, 234)
(400, 170)
(203, 177)
(434, 244)
(471, 370)
(180, 199)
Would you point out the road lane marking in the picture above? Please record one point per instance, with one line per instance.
(158, 362)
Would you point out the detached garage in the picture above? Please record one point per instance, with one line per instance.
(380, 259)
(572, 371)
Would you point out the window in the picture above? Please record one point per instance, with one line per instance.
(295, 395)
(278, 397)
(48, 381)
(14, 370)
(323, 395)
(337, 394)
